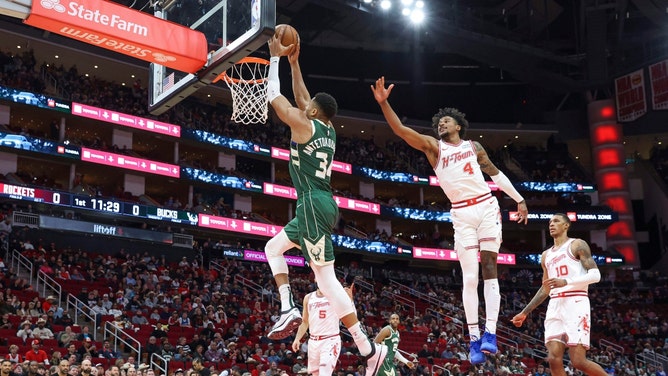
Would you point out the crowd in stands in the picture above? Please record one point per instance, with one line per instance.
(211, 322)
(216, 319)
(21, 71)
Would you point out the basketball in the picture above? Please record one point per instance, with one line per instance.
(290, 36)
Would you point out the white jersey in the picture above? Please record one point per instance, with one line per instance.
(322, 320)
(561, 263)
(458, 171)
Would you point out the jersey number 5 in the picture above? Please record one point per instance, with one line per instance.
(325, 170)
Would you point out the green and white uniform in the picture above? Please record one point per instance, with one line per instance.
(316, 215)
(392, 343)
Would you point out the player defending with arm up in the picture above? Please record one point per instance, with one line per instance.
(312, 145)
(476, 217)
(568, 270)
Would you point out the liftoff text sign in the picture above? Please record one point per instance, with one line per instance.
(123, 30)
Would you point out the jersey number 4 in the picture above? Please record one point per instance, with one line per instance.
(468, 169)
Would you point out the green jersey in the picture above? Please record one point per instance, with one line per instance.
(311, 162)
(392, 343)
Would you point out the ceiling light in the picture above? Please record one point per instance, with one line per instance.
(419, 4)
(57, 57)
(385, 4)
(368, 1)
(417, 16)
(95, 66)
(406, 12)
(407, 2)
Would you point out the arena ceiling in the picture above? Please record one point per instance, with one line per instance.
(530, 56)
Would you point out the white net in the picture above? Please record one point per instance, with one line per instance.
(248, 85)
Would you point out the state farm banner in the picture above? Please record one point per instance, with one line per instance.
(630, 96)
(658, 78)
(124, 30)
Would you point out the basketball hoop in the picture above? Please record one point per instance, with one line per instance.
(247, 80)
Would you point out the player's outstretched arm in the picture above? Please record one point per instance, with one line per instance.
(295, 118)
(303, 327)
(426, 144)
(302, 96)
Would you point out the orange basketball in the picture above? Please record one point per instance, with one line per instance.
(290, 36)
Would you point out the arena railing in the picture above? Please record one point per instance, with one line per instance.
(443, 317)
(119, 336)
(605, 344)
(401, 300)
(651, 359)
(80, 309)
(158, 362)
(45, 286)
(22, 266)
(255, 287)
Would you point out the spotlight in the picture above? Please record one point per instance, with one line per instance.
(417, 16)
(385, 4)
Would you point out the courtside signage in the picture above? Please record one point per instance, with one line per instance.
(130, 163)
(125, 120)
(451, 255)
(342, 202)
(124, 30)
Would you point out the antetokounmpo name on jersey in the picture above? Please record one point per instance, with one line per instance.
(456, 157)
(322, 142)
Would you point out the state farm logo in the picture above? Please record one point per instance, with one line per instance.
(162, 58)
(53, 4)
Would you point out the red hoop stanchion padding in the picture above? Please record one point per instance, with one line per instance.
(247, 81)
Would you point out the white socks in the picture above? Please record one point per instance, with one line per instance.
(492, 304)
(286, 297)
(361, 340)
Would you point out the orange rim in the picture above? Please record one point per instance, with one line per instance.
(246, 60)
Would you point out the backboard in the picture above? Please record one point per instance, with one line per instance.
(233, 29)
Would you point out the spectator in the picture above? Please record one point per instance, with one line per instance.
(87, 348)
(107, 352)
(299, 365)
(36, 353)
(6, 226)
(25, 331)
(6, 368)
(63, 368)
(41, 331)
(139, 318)
(66, 336)
(13, 356)
(152, 347)
(4, 322)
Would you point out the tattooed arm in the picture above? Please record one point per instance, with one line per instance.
(542, 294)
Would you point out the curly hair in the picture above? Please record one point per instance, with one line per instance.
(458, 116)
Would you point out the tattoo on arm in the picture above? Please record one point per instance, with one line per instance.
(485, 163)
(537, 299)
(582, 251)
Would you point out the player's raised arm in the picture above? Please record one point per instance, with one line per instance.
(295, 118)
(302, 96)
(426, 144)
